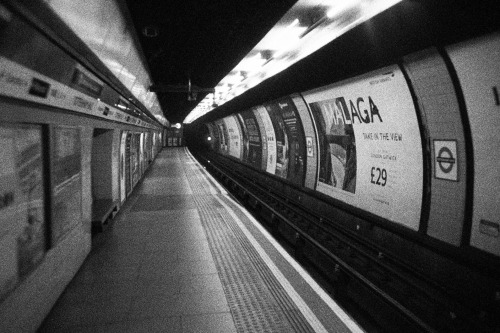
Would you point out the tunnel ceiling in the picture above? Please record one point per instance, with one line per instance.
(198, 40)
(204, 40)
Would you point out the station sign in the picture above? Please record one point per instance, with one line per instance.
(445, 158)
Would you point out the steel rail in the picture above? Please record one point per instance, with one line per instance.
(347, 268)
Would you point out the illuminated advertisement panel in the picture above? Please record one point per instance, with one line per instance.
(293, 148)
(370, 150)
(263, 139)
(234, 137)
(244, 136)
(268, 130)
(254, 149)
(281, 136)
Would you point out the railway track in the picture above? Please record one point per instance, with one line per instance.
(392, 294)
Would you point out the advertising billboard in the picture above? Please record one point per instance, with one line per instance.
(281, 136)
(268, 131)
(370, 149)
(234, 137)
(244, 136)
(254, 142)
(293, 146)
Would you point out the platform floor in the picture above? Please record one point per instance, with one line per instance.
(182, 256)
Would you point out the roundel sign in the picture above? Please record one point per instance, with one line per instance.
(445, 159)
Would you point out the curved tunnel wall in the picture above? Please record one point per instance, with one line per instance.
(395, 142)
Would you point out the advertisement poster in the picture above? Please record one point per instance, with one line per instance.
(263, 138)
(29, 167)
(295, 134)
(268, 130)
(337, 166)
(244, 136)
(254, 157)
(370, 149)
(223, 137)
(234, 137)
(281, 136)
(66, 176)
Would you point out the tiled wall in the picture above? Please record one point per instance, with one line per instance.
(440, 112)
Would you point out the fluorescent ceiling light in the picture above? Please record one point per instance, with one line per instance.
(305, 28)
